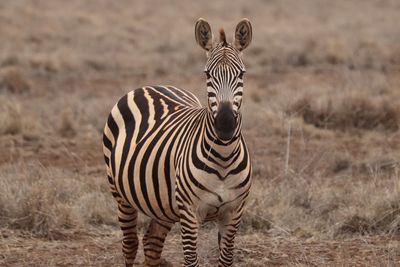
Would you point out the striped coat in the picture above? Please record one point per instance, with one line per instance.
(166, 158)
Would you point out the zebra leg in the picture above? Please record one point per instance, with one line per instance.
(227, 230)
(127, 217)
(153, 242)
(189, 232)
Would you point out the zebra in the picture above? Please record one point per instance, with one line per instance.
(174, 160)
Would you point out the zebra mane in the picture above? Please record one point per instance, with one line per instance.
(222, 37)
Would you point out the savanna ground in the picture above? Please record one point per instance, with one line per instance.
(321, 118)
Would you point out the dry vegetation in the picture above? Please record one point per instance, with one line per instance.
(322, 119)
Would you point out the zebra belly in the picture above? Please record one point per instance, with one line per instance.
(148, 180)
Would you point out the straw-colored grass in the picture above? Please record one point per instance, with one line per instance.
(321, 118)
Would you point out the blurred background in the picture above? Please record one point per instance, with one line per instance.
(321, 117)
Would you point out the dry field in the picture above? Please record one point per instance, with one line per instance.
(321, 116)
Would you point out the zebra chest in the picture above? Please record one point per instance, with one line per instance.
(219, 199)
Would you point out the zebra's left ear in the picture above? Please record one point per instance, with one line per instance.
(243, 35)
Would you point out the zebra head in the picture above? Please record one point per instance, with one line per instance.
(224, 70)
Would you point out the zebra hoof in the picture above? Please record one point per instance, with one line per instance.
(163, 263)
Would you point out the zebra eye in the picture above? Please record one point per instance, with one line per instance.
(207, 74)
(241, 74)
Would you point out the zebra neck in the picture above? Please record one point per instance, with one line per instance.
(224, 150)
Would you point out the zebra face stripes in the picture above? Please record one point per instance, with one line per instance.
(176, 161)
(224, 70)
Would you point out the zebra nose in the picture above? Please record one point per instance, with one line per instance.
(225, 121)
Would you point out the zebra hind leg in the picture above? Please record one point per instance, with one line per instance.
(127, 217)
(153, 243)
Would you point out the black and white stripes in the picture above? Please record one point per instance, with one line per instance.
(176, 161)
(224, 71)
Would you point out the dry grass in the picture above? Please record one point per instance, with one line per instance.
(51, 202)
(13, 81)
(67, 126)
(348, 113)
(14, 121)
(310, 33)
(11, 119)
(321, 117)
(319, 208)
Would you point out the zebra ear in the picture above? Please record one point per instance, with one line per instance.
(243, 35)
(204, 36)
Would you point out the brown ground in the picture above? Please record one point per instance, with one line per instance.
(321, 117)
(252, 250)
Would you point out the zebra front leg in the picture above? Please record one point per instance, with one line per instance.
(228, 226)
(189, 232)
(127, 217)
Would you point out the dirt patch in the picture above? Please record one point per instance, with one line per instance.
(258, 249)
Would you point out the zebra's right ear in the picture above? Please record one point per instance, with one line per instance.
(204, 36)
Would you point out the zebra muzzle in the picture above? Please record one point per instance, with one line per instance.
(225, 122)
